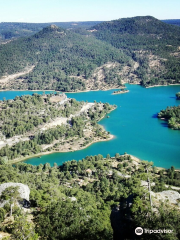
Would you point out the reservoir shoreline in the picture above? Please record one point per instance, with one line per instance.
(50, 152)
(137, 131)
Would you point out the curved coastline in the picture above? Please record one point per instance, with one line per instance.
(50, 152)
(159, 163)
(88, 90)
(138, 160)
(176, 84)
(53, 90)
(134, 158)
(110, 137)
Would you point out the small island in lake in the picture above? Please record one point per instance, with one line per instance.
(178, 95)
(120, 91)
(172, 115)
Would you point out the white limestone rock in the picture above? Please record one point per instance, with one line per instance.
(73, 199)
(123, 175)
(145, 183)
(23, 190)
(172, 196)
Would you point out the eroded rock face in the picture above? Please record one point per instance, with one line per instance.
(170, 195)
(23, 190)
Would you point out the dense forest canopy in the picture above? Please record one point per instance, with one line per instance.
(140, 37)
(52, 122)
(62, 59)
(172, 115)
(84, 199)
(141, 50)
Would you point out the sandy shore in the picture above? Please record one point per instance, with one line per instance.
(135, 159)
(87, 90)
(20, 90)
(53, 90)
(164, 85)
(138, 160)
(50, 152)
(107, 89)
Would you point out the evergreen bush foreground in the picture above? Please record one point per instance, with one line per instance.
(82, 199)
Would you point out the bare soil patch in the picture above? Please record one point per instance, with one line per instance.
(56, 99)
(7, 78)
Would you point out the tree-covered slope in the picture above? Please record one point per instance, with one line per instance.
(144, 29)
(53, 122)
(137, 50)
(142, 37)
(62, 59)
(172, 115)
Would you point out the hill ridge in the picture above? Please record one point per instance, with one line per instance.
(145, 49)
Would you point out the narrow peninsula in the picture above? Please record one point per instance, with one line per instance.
(40, 124)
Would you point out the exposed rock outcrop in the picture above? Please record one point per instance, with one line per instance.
(23, 190)
(173, 197)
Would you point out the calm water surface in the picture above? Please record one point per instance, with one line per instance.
(134, 124)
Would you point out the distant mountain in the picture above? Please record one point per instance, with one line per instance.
(59, 60)
(12, 30)
(153, 44)
(172, 21)
(141, 50)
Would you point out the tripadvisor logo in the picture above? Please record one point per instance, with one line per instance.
(138, 231)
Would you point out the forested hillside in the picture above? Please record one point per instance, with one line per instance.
(172, 21)
(62, 60)
(136, 50)
(153, 44)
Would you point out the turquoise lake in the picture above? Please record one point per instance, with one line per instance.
(134, 124)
